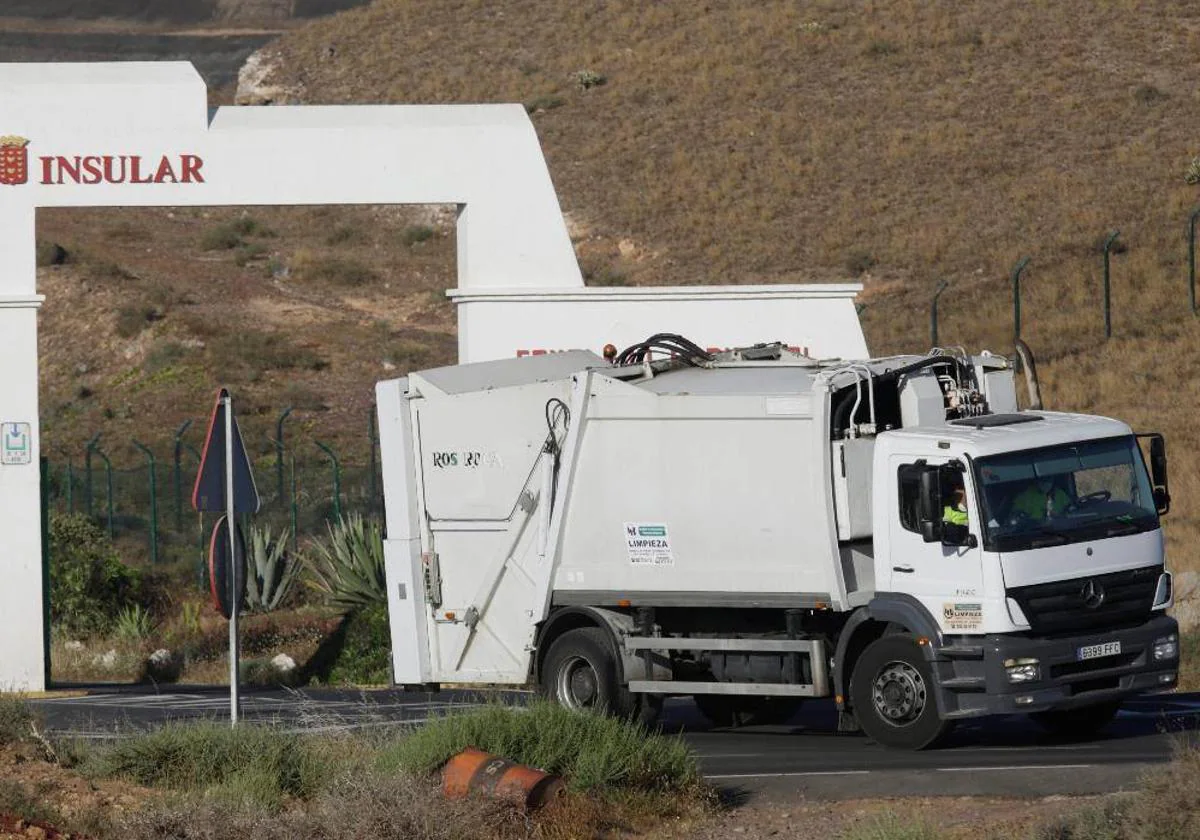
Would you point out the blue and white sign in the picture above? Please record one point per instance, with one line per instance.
(16, 447)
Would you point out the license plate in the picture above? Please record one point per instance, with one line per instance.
(1096, 651)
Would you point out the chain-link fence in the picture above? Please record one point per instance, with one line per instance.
(147, 505)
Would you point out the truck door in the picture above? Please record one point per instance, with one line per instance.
(947, 579)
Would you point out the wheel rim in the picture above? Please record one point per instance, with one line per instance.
(577, 686)
(899, 694)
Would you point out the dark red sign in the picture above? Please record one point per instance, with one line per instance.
(14, 160)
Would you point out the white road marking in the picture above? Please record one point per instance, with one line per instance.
(728, 755)
(782, 775)
(1014, 767)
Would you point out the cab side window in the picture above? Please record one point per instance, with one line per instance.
(909, 477)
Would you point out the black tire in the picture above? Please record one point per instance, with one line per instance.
(738, 710)
(892, 693)
(581, 672)
(1078, 723)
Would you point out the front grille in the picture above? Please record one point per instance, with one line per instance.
(1060, 607)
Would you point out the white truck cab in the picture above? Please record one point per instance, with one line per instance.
(756, 527)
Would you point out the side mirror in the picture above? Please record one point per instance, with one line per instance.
(958, 535)
(929, 512)
(1158, 472)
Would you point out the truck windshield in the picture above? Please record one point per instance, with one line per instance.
(1064, 494)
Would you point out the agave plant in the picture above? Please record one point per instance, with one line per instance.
(272, 571)
(347, 566)
(133, 623)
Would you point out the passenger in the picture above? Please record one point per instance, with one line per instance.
(1041, 500)
(955, 513)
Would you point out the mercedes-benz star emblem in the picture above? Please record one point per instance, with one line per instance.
(1092, 594)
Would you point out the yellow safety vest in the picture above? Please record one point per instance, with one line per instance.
(954, 516)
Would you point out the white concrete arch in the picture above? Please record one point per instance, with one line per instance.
(96, 135)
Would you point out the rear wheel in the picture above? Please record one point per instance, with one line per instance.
(1078, 723)
(581, 672)
(892, 693)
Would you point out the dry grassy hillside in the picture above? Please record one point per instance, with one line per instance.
(898, 142)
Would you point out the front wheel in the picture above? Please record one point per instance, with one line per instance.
(581, 672)
(1077, 723)
(892, 692)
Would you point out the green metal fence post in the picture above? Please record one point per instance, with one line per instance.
(153, 500)
(1015, 278)
(1192, 257)
(373, 434)
(337, 479)
(933, 314)
(177, 475)
(90, 448)
(70, 487)
(279, 452)
(199, 523)
(1108, 243)
(108, 477)
(295, 509)
(45, 466)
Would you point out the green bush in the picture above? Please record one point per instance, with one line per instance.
(544, 103)
(592, 752)
(89, 585)
(339, 272)
(16, 720)
(416, 234)
(365, 656)
(50, 253)
(260, 764)
(347, 566)
(131, 320)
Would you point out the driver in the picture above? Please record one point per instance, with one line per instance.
(1041, 500)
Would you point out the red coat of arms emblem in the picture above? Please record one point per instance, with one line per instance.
(14, 160)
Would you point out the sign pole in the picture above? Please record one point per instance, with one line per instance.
(234, 600)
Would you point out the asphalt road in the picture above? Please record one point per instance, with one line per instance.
(1000, 757)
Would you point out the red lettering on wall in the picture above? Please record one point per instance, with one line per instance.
(191, 169)
(91, 170)
(165, 172)
(67, 168)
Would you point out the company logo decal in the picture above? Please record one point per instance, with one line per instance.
(1092, 594)
(14, 160)
(55, 170)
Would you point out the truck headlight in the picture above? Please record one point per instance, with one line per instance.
(1023, 670)
(1166, 648)
(1164, 592)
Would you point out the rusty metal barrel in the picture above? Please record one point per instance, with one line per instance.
(473, 771)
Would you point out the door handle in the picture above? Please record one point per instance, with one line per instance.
(908, 570)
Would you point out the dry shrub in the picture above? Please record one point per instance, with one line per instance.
(379, 807)
(1168, 807)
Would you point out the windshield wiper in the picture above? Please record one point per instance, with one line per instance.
(1120, 529)
(1044, 537)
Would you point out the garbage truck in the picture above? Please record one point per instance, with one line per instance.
(754, 527)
